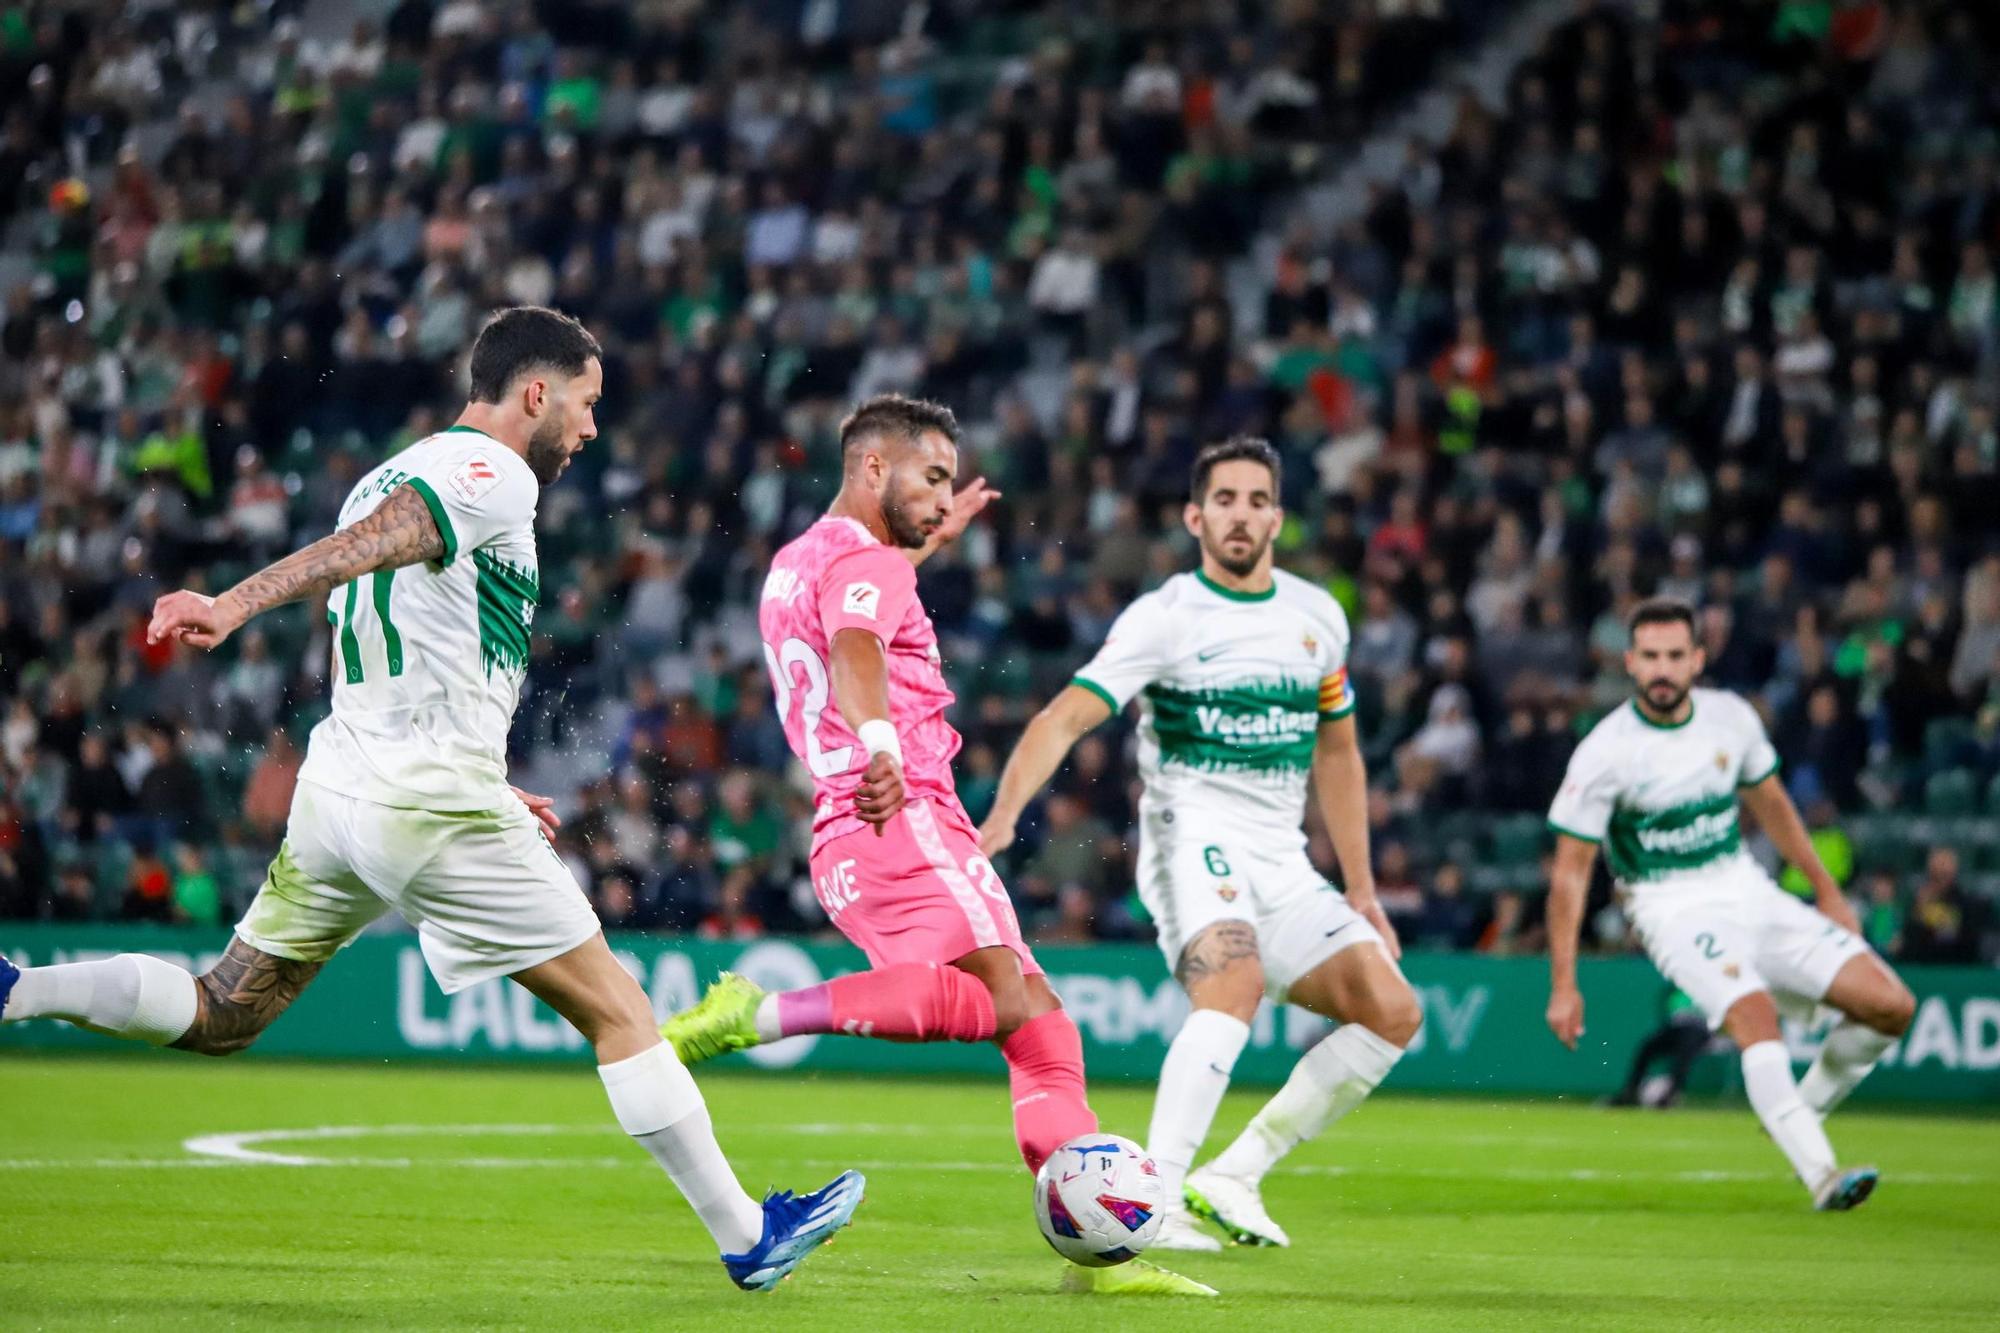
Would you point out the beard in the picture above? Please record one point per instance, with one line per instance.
(546, 455)
(1664, 696)
(906, 531)
(1239, 566)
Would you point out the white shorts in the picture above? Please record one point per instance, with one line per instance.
(487, 894)
(1733, 933)
(1190, 880)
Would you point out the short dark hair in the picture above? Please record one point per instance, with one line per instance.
(897, 415)
(523, 338)
(1662, 611)
(1245, 447)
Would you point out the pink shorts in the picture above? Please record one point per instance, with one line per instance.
(919, 893)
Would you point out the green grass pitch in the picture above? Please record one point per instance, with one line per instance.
(440, 1198)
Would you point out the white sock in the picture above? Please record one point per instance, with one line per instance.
(1192, 1081)
(1846, 1058)
(767, 1018)
(134, 995)
(1767, 1078)
(657, 1103)
(1329, 1080)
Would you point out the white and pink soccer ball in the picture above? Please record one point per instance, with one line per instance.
(1099, 1200)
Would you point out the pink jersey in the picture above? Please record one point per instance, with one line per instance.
(836, 576)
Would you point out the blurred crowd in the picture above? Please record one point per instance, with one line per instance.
(1707, 306)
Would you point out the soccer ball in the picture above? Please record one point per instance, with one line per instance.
(1099, 1200)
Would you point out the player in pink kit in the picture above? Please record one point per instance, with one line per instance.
(895, 862)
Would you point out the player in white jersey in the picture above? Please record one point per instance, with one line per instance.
(1657, 785)
(430, 583)
(1240, 671)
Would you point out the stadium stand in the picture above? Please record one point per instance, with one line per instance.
(1706, 305)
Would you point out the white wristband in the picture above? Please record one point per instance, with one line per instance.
(879, 736)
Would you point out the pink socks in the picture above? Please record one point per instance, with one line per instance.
(906, 1002)
(930, 1002)
(1045, 1074)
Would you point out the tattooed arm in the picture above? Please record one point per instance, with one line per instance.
(400, 532)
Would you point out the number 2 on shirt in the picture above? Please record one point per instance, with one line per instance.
(797, 653)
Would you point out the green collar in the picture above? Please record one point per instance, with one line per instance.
(1234, 595)
(1643, 716)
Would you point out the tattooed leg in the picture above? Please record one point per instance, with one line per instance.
(240, 996)
(1220, 969)
(1224, 980)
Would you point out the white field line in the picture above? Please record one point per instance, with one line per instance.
(1524, 1175)
(242, 1148)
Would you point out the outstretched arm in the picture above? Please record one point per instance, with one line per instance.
(1035, 759)
(1568, 888)
(1779, 818)
(1340, 777)
(400, 532)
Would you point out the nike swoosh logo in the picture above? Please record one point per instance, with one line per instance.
(1213, 652)
(1337, 929)
(1218, 1069)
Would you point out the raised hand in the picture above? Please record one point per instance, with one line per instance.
(965, 506)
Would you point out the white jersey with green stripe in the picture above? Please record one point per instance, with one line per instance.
(1662, 800)
(1232, 688)
(428, 659)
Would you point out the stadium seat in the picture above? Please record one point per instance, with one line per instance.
(1945, 741)
(1886, 842)
(1515, 840)
(1453, 835)
(1952, 792)
(1009, 673)
(111, 863)
(1979, 845)
(1985, 886)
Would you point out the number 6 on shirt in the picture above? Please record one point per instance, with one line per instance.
(823, 762)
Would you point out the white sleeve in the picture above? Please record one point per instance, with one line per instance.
(1135, 653)
(1336, 691)
(1760, 757)
(1582, 808)
(475, 495)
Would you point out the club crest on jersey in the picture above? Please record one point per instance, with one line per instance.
(862, 599)
(1722, 761)
(1226, 892)
(1310, 644)
(473, 478)
(1731, 970)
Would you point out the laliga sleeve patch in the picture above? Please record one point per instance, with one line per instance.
(862, 599)
(473, 478)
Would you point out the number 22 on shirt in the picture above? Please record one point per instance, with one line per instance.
(797, 654)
